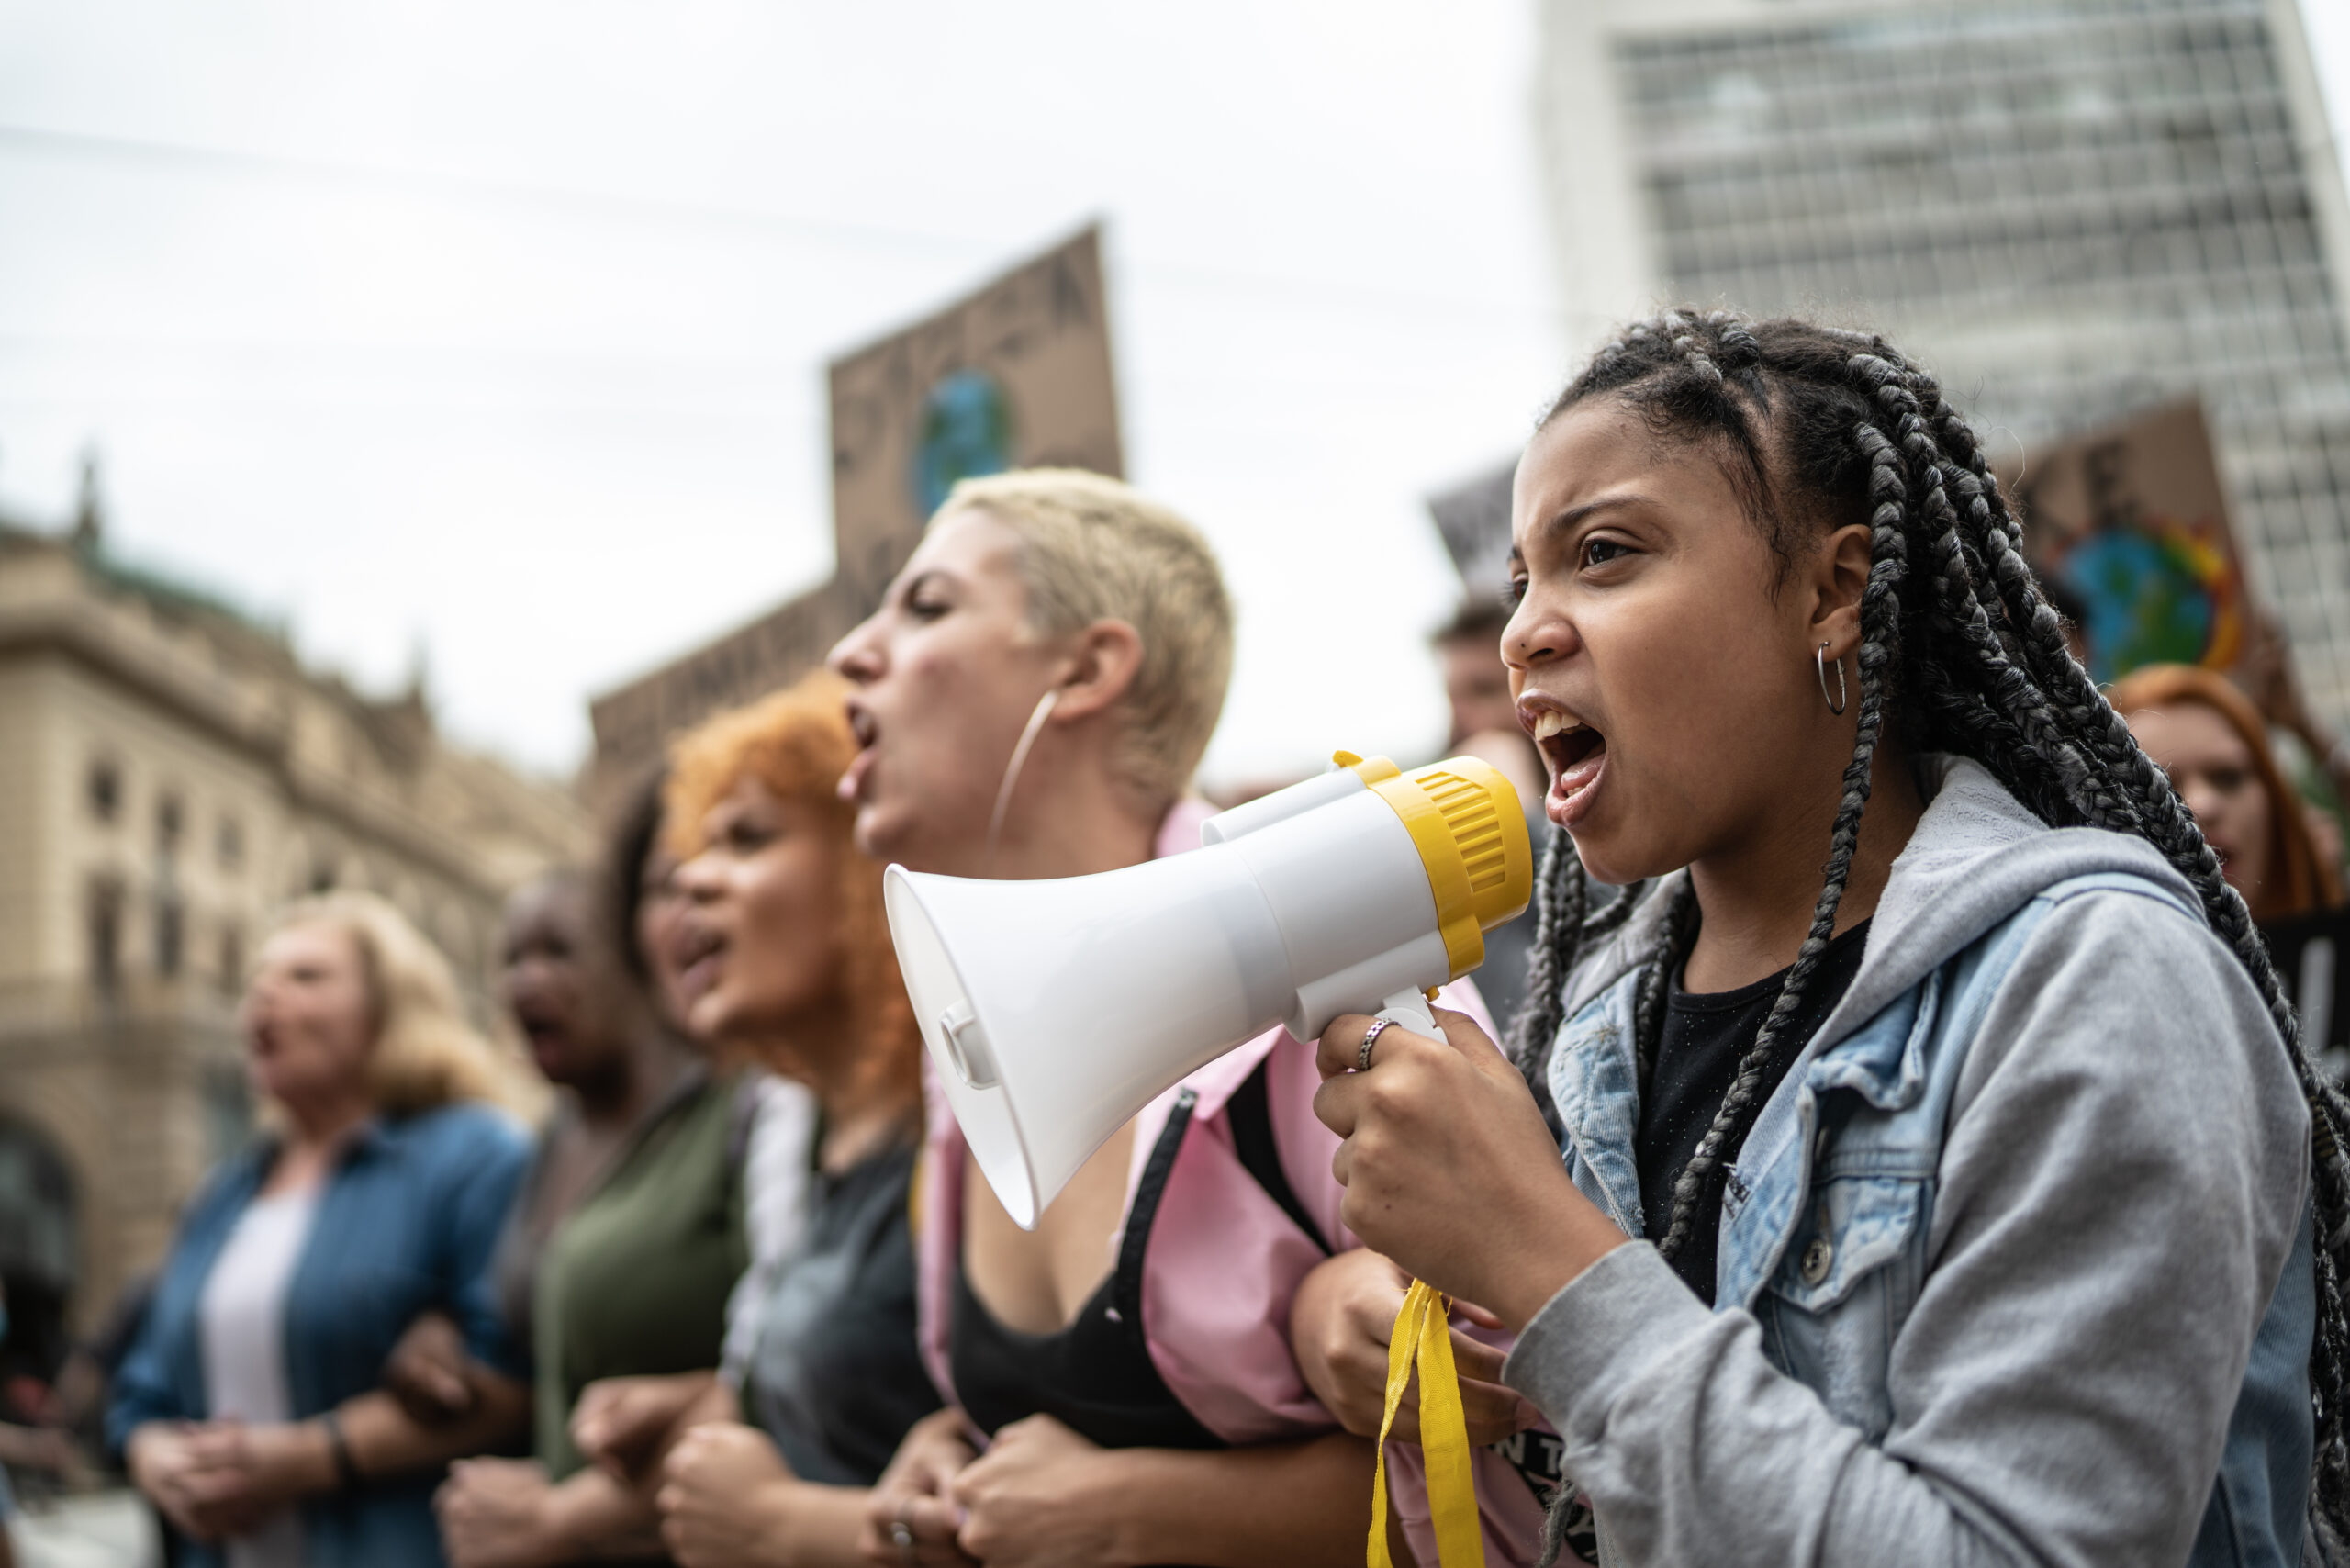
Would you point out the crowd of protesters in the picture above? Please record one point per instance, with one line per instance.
(1972, 1202)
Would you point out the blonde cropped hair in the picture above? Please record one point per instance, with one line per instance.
(1092, 549)
(424, 1055)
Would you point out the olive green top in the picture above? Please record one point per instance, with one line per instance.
(634, 1281)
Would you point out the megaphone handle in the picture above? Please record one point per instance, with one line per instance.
(1410, 1009)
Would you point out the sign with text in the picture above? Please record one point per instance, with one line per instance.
(2131, 518)
(1473, 517)
(1014, 375)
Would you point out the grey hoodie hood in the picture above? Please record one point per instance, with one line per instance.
(1976, 857)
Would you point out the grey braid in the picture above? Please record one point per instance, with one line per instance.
(1561, 893)
(1562, 934)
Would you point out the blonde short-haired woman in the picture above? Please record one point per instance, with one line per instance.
(249, 1411)
(1031, 699)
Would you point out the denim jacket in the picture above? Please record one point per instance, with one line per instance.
(1830, 1235)
(407, 1222)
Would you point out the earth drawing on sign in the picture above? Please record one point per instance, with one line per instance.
(2159, 593)
(965, 431)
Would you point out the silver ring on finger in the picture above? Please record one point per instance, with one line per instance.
(1370, 1038)
(901, 1535)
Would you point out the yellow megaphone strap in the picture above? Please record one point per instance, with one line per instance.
(1423, 1332)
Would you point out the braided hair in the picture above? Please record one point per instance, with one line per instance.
(1962, 651)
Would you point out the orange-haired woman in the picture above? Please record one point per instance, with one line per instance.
(784, 956)
(2208, 736)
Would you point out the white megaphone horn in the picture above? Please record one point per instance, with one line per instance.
(1057, 1010)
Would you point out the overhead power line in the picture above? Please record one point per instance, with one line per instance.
(42, 140)
(637, 208)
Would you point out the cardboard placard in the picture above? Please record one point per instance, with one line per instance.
(2131, 518)
(1472, 518)
(634, 723)
(1016, 375)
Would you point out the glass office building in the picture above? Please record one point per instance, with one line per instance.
(2068, 208)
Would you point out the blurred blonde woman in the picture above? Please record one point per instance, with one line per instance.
(249, 1411)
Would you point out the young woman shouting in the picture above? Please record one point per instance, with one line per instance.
(1954, 1207)
(1032, 699)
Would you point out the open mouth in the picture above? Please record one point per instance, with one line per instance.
(698, 952)
(543, 1031)
(1576, 754)
(863, 725)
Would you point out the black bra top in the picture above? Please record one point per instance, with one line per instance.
(1095, 1376)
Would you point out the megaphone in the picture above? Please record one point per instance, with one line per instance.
(1056, 1009)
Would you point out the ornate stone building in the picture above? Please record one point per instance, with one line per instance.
(169, 775)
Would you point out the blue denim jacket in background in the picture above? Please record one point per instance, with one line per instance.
(1828, 1212)
(407, 1222)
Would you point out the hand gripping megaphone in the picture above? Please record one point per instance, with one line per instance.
(1056, 1009)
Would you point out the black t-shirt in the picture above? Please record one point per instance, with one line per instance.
(1705, 1038)
(837, 1379)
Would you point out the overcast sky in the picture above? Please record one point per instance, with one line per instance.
(497, 331)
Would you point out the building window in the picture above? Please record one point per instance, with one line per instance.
(170, 817)
(105, 932)
(171, 932)
(105, 790)
(232, 960)
(228, 844)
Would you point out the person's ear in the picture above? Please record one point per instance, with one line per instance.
(1840, 572)
(1103, 660)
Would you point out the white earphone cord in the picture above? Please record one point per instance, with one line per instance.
(1012, 770)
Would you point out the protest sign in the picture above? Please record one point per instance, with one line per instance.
(1015, 374)
(1473, 517)
(2131, 518)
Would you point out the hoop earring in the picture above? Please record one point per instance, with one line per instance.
(1837, 704)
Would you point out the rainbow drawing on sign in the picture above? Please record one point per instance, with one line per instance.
(2162, 592)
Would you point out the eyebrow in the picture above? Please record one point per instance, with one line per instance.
(1559, 522)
